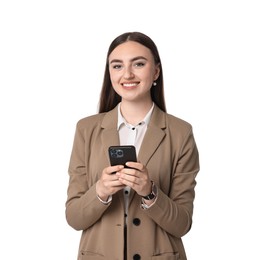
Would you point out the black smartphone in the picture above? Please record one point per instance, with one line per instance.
(119, 155)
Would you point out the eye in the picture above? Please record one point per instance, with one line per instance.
(116, 66)
(139, 64)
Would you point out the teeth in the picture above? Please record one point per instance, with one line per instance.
(129, 84)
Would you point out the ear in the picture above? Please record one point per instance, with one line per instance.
(157, 71)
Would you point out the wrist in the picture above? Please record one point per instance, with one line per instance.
(101, 196)
(152, 195)
(147, 203)
(107, 201)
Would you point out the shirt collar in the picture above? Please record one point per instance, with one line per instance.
(121, 119)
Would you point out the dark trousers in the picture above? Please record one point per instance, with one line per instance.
(125, 243)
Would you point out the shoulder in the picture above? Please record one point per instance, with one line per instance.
(103, 120)
(92, 120)
(174, 121)
(178, 129)
(166, 120)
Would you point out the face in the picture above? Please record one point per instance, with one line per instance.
(132, 71)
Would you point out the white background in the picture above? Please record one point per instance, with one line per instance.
(52, 58)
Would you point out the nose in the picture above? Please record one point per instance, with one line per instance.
(128, 74)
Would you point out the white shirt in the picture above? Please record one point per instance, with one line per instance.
(132, 135)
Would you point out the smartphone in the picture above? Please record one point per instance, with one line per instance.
(119, 155)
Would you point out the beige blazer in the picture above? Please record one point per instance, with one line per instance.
(171, 156)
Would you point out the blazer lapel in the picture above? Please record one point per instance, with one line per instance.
(153, 137)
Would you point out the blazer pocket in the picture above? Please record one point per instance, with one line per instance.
(167, 256)
(85, 255)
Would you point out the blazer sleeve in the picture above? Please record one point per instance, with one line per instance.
(173, 212)
(83, 208)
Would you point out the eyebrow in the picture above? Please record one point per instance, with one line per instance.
(133, 59)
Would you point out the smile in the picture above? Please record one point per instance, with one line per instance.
(129, 85)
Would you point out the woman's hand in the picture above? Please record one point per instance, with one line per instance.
(109, 182)
(135, 177)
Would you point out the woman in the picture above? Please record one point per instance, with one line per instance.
(143, 210)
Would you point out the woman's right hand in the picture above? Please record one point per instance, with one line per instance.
(109, 182)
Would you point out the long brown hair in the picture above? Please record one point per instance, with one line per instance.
(108, 97)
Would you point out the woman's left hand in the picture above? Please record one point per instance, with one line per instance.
(136, 177)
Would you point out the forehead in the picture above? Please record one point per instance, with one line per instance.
(129, 50)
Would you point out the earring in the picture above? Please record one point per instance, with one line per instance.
(154, 83)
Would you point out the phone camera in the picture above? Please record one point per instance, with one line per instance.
(116, 153)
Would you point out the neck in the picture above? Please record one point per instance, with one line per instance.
(135, 112)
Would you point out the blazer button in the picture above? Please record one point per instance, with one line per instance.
(136, 221)
(136, 257)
